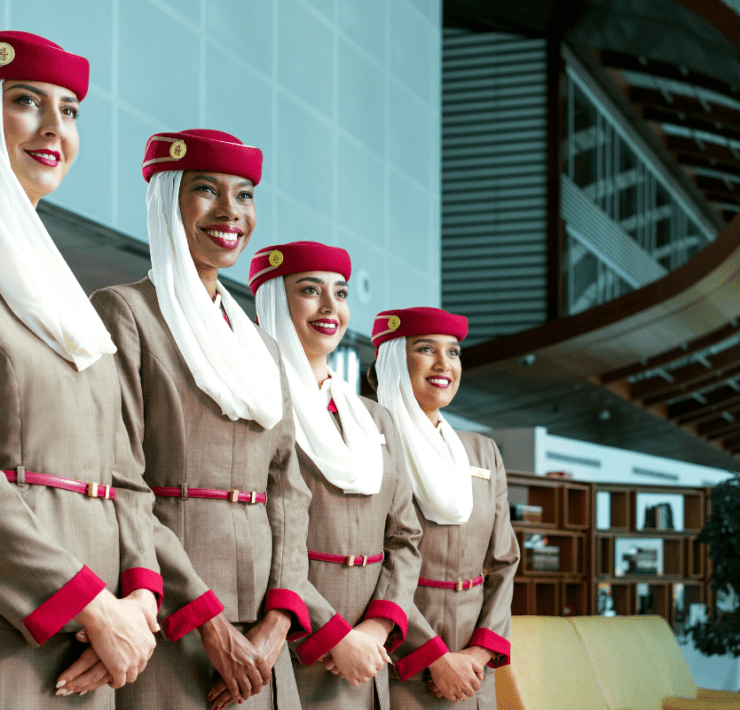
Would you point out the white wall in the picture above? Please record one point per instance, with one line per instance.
(537, 451)
(343, 97)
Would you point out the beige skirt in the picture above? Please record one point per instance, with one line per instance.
(179, 675)
(28, 674)
(414, 695)
(321, 690)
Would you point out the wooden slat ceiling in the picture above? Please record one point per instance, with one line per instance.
(656, 370)
(713, 126)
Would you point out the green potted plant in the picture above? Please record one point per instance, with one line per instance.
(720, 633)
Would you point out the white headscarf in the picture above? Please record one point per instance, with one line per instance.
(233, 367)
(355, 466)
(438, 465)
(36, 281)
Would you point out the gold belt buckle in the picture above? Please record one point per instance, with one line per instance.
(92, 489)
(459, 586)
(354, 561)
(234, 495)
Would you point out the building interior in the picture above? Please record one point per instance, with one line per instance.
(564, 173)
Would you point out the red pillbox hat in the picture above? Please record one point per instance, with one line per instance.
(201, 149)
(403, 322)
(27, 56)
(294, 258)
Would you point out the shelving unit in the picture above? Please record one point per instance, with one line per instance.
(590, 555)
(566, 522)
(681, 559)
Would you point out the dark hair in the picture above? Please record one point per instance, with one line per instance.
(372, 376)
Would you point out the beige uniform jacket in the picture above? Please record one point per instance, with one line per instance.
(245, 557)
(341, 596)
(481, 616)
(61, 548)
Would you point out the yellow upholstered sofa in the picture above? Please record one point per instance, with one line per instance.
(598, 663)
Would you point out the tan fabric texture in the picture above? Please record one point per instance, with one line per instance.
(176, 675)
(57, 420)
(354, 524)
(412, 694)
(487, 545)
(28, 674)
(179, 435)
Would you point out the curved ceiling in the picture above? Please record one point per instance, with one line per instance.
(656, 370)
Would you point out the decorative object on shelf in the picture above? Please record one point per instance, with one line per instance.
(546, 559)
(638, 556)
(559, 474)
(720, 633)
(604, 600)
(526, 513)
(642, 561)
(534, 540)
(543, 557)
(644, 599)
(679, 617)
(659, 517)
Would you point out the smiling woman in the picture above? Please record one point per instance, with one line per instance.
(219, 217)
(362, 533)
(41, 124)
(75, 516)
(208, 413)
(461, 619)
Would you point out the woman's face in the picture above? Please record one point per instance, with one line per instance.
(317, 301)
(219, 217)
(40, 122)
(434, 369)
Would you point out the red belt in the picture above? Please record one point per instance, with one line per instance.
(94, 490)
(457, 586)
(349, 560)
(235, 496)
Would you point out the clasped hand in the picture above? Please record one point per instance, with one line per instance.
(121, 637)
(361, 653)
(244, 661)
(457, 676)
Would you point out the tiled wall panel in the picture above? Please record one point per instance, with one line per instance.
(341, 95)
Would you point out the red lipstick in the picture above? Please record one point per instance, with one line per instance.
(221, 235)
(325, 326)
(50, 158)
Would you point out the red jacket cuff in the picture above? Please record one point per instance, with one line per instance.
(62, 606)
(421, 658)
(287, 600)
(493, 642)
(328, 636)
(142, 578)
(192, 615)
(380, 609)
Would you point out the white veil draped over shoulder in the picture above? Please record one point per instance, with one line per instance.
(36, 282)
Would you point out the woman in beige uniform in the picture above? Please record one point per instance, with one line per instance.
(462, 616)
(363, 531)
(209, 416)
(75, 516)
